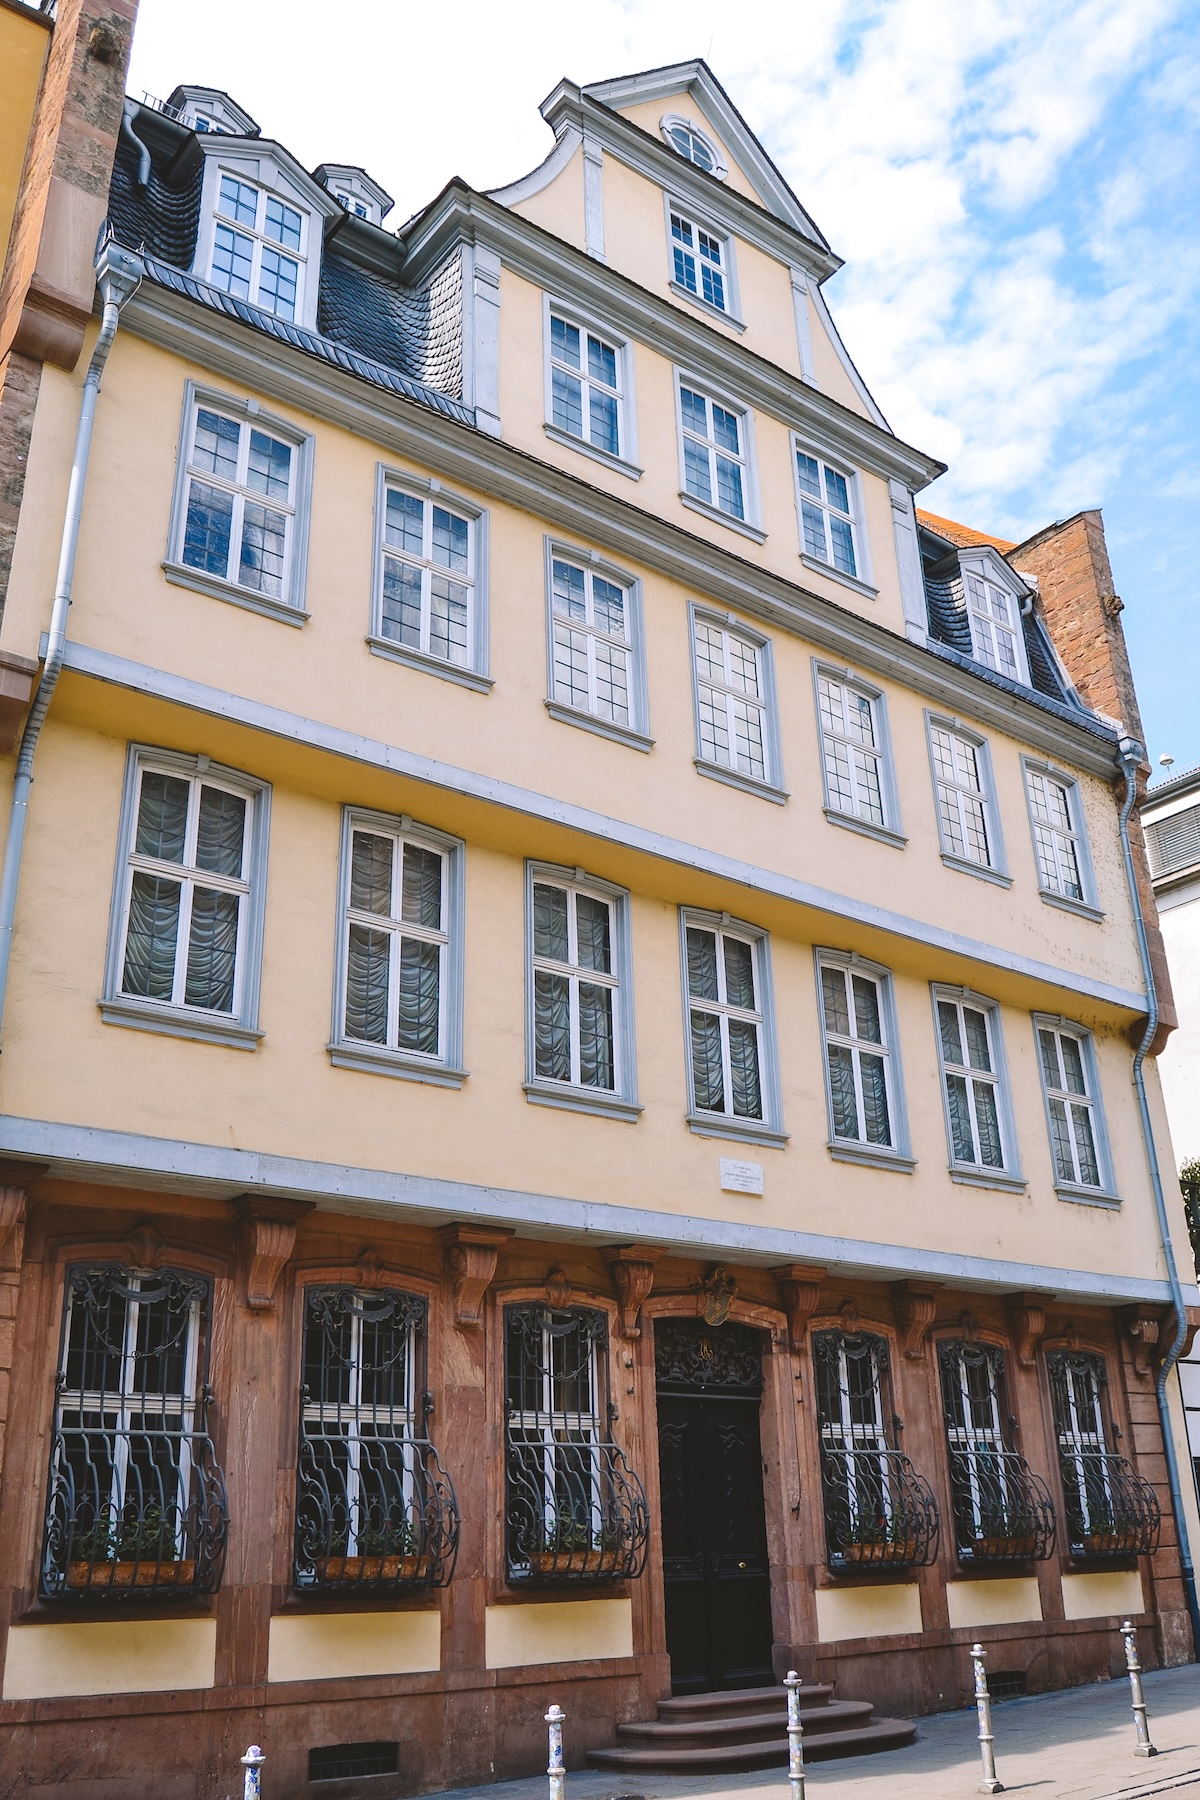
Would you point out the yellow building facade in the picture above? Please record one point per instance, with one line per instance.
(558, 921)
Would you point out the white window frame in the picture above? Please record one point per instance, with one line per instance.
(1105, 1194)
(445, 1069)
(981, 624)
(621, 1101)
(430, 492)
(671, 122)
(995, 870)
(978, 1174)
(897, 1155)
(768, 1130)
(862, 579)
(750, 525)
(770, 788)
(1087, 906)
(626, 459)
(636, 733)
(889, 830)
(260, 242)
(238, 1029)
(288, 608)
(699, 220)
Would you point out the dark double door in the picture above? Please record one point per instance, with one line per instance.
(715, 1572)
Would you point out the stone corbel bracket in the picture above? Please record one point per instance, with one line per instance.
(800, 1287)
(914, 1307)
(1027, 1318)
(632, 1270)
(470, 1253)
(268, 1240)
(1143, 1325)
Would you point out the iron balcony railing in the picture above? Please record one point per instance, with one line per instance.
(1002, 1510)
(133, 1514)
(878, 1511)
(575, 1511)
(1111, 1510)
(373, 1513)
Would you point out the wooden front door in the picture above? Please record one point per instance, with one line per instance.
(715, 1573)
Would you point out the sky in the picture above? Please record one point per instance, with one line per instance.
(1015, 188)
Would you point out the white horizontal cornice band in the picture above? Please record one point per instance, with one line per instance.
(181, 690)
(88, 1152)
(475, 461)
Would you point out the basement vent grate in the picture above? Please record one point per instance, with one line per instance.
(1006, 1684)
(337, 1762)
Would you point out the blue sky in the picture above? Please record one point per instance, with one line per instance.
(1015, 188)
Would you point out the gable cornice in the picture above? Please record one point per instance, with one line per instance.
(468, 458)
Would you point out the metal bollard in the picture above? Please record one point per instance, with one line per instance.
(983, 1705)
(1143, 1747)
(252, 1762)
(795, 1735)
(554, 1719)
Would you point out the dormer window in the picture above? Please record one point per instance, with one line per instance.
(258, 247)
(692, 144)
(355, 191)
(352, 205)
(996, 636)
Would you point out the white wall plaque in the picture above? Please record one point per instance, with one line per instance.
(741, 1177)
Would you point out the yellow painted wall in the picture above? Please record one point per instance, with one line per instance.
(558, 207)
(121, 1656)
(1116, 1593)
(325, 1646)
(867, 1612)
(24, 41)
(557, 1632)
(979, 1603)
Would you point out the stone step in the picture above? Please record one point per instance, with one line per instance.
(743, 1728)
(740, 1700)
(770, 1753)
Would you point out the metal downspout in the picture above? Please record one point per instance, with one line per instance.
(1130, 754)
(118, 274)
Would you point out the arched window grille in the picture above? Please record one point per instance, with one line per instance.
(374, 1508)
(1002, 1510)
(574, 1510)
(878, 1510)
(136, 1501)
(1110, 1509)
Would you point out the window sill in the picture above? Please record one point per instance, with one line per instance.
(851, 581)
(1080, 908)
(765, 790)
(606, 457)
(620, 734)
(737, 1131)
(871, 1157)
(863, 826)
(988, 1178)
(588, 1100)
(705, 306)
(429, 665)
(370, 1060)
(723, 518)
(181, 576)
(1085, 1196)
(966, 867)
(181, 1022)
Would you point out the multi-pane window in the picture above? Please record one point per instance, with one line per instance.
(186, 892)
(1053, 807)
(689, 143)
(426, 601)
(731, 699)
(725, 1021)
(995, 627)
(239, 512)
(373, 1507)
(969, 1049)
(258, 243)
(397, 942)
(1002, 1510)
(592, 641)
(963, 801)
(714, 452)
(857, 1055)
(575, 1026)
(135, 1500)
(826, 513)
(852, 750)
(1068, 1081)
(1110, 1509)
(698, 260)
(585, 385)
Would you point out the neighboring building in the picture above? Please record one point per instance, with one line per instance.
(560, 921)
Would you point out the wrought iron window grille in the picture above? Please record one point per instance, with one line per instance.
(574, 1509)
(879, 1512)
(374, 1508)
(1109, 1509)
(1002, 1509)
(136, 1505)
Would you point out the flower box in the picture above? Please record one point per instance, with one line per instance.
(1119, 1541)
(898, 1550)
(131, 1574)
(570, 1562)
(372, 1568)
(1004, 1549)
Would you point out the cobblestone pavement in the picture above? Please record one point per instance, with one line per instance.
(1074, 1745)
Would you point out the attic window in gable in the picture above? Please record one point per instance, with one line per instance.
(691, 144)
(996, 635)
(258, 248)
